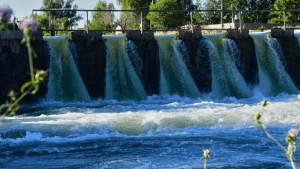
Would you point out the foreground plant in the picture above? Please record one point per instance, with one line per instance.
(290, 137)
(31, 87)
(206, 154)
(5, 15)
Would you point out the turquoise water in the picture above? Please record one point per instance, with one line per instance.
(159, 132)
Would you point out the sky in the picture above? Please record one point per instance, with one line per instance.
(23, 8)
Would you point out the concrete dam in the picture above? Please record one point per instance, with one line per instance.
(87, 66)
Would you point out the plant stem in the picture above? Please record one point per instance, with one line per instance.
(269, 135)
(289, 154)
(293, 163)
(30, 58)
(16, 102)
(204, 163)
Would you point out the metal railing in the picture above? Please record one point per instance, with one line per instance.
(240, 12)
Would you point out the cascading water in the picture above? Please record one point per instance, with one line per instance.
(226, 79)
(174, 77)
(133, 56)
(122, 82)
(65, 83)
(273, 79)
(180, 46)
(297, 35)
(73, 50)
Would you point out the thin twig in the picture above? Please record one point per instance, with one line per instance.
(30, 58)
(16, 102)
(270, 136)
(204, 163)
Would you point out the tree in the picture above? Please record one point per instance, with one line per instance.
(246, 5)
(166, 19)
(212, 17)
(103, 20)
(128, 20)
(59, 19)
(291, 17)
(188, 5)
(252, 17)
(135, 4)
(198, 16)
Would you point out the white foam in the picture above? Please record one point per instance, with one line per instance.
(154, 117)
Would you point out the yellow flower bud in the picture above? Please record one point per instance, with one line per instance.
(206, 153)
(257, 116)
(264, 103)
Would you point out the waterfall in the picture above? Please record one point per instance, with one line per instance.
(297, 35)
(203, 76)
(133, 56)
(174, 75)
(226, 79)
(180, 46)
(65, 83)
(122, 82)
(273, 79)
(73, 50)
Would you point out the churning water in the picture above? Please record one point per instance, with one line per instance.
(166, 131)
(159, 132)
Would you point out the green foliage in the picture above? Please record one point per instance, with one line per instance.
(4, 23)
(248, 17)
(70, 18)
(129, 20)
(212, 17)
(261, 17)
(291, 17)
(135, 26)
(102, 20)
(135, 4)
(59, 19)
(198, 16)
(42, 20)
(215, 17)
(166, 19)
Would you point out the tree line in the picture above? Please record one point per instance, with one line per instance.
(165, 20)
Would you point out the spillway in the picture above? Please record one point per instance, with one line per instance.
(273, 79)
(122, 82)
(226, 79)
(65, 83)
(175, 77)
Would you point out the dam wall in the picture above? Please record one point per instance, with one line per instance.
(247, 64)
(91, 60)
(14, 63)
(290, 49)
(90, 57)
(146, 47)
(191, 41)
